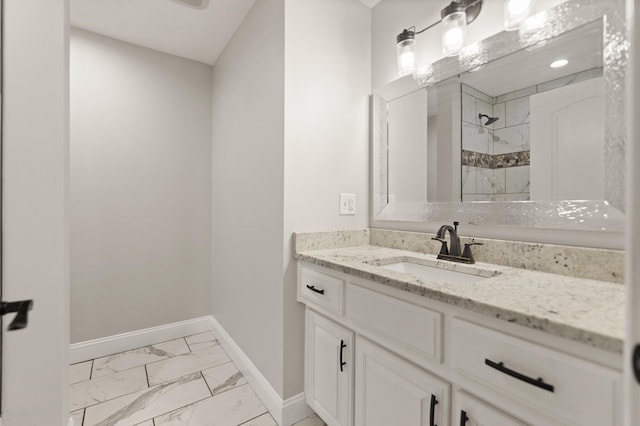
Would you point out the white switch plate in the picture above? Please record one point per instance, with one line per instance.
(347, 204)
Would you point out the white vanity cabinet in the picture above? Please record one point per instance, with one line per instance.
(328, 369)
(378, 356)
(469, 411)
(392, 391)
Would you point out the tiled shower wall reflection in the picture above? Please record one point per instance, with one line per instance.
(495, 158)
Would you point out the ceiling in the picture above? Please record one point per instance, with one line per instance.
(582, 47)
(167, 25)
(164, 25)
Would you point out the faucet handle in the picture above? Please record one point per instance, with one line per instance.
(443, 249)
(467, 251)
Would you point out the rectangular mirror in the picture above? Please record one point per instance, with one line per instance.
(519, 142)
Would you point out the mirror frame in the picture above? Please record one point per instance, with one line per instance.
(605, 215)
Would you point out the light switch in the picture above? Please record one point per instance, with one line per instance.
(347, 204)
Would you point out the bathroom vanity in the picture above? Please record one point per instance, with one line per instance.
(397, 337)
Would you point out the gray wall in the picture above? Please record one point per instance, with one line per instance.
(327, 88)
(248, 180)
(140, 187)
(290, 132)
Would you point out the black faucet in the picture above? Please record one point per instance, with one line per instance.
(453, 238)
(454, 254)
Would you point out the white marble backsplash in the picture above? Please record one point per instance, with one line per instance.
(305, 241)
(579, 262)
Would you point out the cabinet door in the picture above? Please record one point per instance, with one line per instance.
(329, 369)
(468, 411)
(392, 391)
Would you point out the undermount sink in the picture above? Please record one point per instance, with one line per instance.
(434, 273)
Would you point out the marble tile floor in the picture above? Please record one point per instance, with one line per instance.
(189, 381)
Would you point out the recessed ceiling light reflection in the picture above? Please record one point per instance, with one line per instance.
(559, 63)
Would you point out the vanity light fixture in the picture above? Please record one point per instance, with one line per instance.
(516, 12)
(406, 51)
(455, 18)
(559, 63)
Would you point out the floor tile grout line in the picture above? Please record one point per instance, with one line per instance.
(206, 383)
(259, 415)
(146, 374)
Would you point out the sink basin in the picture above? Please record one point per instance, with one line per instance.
(432, 273)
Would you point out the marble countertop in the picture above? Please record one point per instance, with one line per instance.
(580, 309)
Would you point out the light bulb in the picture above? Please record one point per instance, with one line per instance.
(454, 33)
(453, 37)
(407, 61)
(515, 12)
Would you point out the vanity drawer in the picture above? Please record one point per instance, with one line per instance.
(322, 290)
(407, 329)
(569, 388)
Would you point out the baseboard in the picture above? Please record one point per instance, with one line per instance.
(285, 413)
(295, 409)
(91, 349)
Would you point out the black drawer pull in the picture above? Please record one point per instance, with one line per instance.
(342, 363)
(463, 418)
(432, 412)
(539, 383)
(313, 288)
(636, 362)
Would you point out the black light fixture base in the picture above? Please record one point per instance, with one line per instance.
(471, 8)
(406, 34)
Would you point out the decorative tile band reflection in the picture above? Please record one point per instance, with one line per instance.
(498, 161)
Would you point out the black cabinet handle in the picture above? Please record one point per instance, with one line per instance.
(463, 418)
(342, 346)
(539, 383)
(636, 362)
(432, 412)
(313, 288)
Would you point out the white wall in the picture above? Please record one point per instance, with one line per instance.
(140, 187)
(248, 181)
(327, 86)
(290, 132)
(35, 196)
